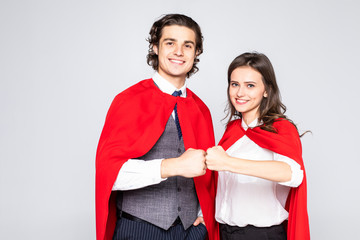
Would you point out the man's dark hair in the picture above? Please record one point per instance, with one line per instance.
(156, 33)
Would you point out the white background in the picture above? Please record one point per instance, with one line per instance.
(62, 62)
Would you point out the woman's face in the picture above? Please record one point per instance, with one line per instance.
(246, 92)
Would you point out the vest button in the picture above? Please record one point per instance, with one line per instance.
(179, 209)
(179, 150)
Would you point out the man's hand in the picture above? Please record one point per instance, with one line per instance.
(198, 221)
(190, 164)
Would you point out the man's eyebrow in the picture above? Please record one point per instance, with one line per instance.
(170, 39)
(189, 41)
(174, 40)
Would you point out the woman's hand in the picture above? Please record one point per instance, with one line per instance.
(216, 159)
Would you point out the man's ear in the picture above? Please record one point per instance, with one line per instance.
(197, 53)
(156, 50)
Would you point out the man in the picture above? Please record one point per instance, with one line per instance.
(150, 165)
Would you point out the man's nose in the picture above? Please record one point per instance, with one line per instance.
(179, 51)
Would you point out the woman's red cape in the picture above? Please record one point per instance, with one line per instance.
(285, 142)
(135, 121)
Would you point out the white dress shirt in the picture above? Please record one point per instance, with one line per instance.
(245, 200)
(136, 173)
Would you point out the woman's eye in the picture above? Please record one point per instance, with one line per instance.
(234, 84)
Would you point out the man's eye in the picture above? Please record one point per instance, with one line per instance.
(188, 46)
(251, 85)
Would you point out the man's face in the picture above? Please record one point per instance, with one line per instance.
(176, 53)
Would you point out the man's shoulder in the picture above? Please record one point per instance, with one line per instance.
(136, 89)
(140, 86)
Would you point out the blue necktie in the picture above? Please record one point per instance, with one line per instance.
(177, 94)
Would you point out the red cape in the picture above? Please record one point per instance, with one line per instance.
(285, 142)
(135, 121)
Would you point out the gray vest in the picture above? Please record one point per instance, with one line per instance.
(162, 203)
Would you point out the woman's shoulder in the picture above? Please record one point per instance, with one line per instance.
(284, 126)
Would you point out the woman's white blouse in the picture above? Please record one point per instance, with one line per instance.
(244, 200)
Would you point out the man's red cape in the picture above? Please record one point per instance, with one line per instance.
(135, 121)
(285, 142)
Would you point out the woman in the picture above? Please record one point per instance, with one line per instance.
(261, 192)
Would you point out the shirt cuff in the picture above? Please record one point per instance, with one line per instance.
(200, 212)
(297, 174)
(136, 173)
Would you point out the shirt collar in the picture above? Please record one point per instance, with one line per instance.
(251, 125)
(166, 87)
